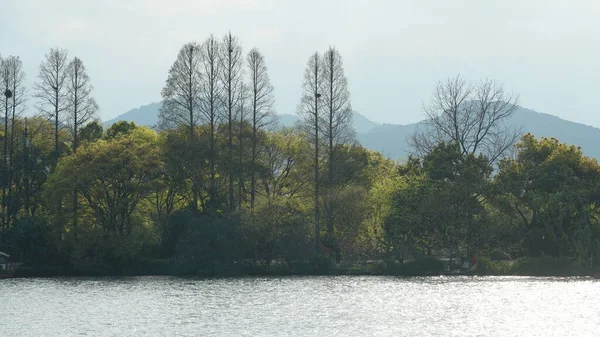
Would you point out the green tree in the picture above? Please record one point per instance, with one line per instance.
(553, 189)
(283, 167)
(119, 128)
(277, 229)
(32, 160)
(210, 245)
(31, 241)
(91, 132)
(113, 176)
(441, 203)
(183, 163)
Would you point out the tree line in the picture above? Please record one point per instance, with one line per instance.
(217, 186)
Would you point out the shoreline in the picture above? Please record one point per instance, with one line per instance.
(528, 267)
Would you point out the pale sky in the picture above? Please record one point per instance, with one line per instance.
(548, 51)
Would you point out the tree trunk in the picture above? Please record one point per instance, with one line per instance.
(317, 215)
(5, 159)
(253, 158)
(26, 168)
(230, 134)
(75, 145)
(195, 177)
(11, 169)
(330, 214)
(56, 127)
(240, 162)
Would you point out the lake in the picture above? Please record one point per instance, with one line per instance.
(300, 306)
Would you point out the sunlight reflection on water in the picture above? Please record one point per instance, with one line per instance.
(301, 306)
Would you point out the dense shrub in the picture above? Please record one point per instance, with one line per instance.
(31, 241)
(420, 266)
(547, 266)
(209, 246)
(323, 264)
(486, 266)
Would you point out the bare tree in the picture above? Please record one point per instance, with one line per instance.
(181, 100)
(336, 121)
(181, 93)
(232, 79)
(261, 106)
(82, 108)
(242, 114)
(210, 107)
(472, 116)
(52, 92)
(6, 93)
(309, 114)
(13, 79)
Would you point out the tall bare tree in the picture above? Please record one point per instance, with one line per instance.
(82, 108)
(13, 79)
(210, 107)
(261, 106)
(242, 113)
(309, 113)
(6, 95)
(182, 100)
(336, 121)
(472, 116)
(182, 91)
(18, 89)
(51, 90)
(232, 79)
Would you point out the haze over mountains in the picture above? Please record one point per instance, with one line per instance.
(391, 139)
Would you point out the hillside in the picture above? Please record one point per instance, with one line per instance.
(391, 139)
(148, 115)
(145, 115)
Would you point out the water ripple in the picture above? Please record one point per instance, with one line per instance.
(300, 306)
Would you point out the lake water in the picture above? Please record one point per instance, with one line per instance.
(300, 306)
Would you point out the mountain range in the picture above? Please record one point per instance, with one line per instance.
(391, 139)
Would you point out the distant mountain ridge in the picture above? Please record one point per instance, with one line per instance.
(391, 139)
(148, 115)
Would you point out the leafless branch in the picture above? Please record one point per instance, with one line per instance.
(82, 106)
(472, 116)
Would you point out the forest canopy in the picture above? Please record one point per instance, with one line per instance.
(218, 187)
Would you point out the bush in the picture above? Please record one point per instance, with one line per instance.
(421, 266)
(209, 246)
(276, 230)
(31, 240)
(547, 266)
(300, 267)
(97, 252)
(361, 268)
(323, 264)
(486, 266)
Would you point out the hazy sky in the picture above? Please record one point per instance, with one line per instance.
(548, 51)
